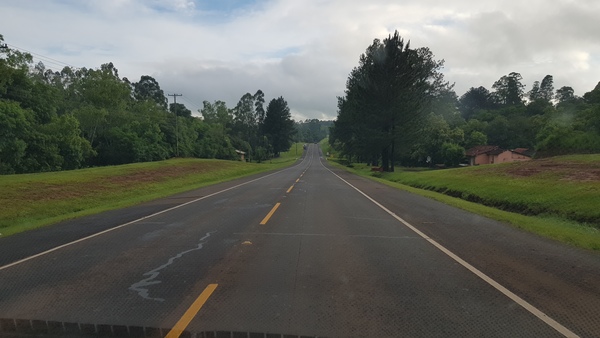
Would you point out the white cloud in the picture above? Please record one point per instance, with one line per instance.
(304, 50)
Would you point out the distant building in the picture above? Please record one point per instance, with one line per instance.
(242, 155)
(494, 154)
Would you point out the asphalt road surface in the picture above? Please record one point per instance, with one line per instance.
(309, 250)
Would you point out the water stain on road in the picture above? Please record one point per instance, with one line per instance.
(142, 287)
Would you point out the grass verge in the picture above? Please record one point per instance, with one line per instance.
(295, 152)
(548, 225)
(34, 200)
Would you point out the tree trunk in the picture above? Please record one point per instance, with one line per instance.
(385, 159)
(392, 155)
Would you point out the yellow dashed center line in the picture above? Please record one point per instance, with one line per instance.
(191, 312)
(266, 219)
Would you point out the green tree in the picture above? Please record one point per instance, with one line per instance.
(509, 90)
(593, 96)
(148, 89)
(279, 126)
(179, 109)
(386, 99)
(259, 110)
(245, 127)
(475, 138)
(565, 94)
(217, 113)
(534, 93)
(474, 100)
(438, 142)
(547, 88)
(452, 154)
(312, 130)
(15, 132)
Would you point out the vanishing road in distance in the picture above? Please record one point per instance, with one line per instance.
(310, 250)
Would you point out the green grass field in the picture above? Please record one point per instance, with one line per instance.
(29, 201)
(566, 187)
(555, 197)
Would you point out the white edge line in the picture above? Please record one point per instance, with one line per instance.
(138, 220)
(523, 303)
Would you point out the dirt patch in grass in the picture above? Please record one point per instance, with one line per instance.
(54, 191)
(564, 170)
(74, 190)
(134, 178)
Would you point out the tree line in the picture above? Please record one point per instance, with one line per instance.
(74, 118)
(312, 130)
(397, 108)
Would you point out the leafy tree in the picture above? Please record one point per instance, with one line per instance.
(15, 132)
(386, 99)
(259, 110)
(547, 88)
(565, 94)
(312, 130)
(444, 102)
(217, 113)
(149, 89)
(452, 154)
(540, 97)
(279, 126)
(475, 138)
(245, 126)
(534, 93)
(509, 90)
(593, 96)
(67, 147)
(213, 142)
(438, 142)
(498, 132)
(180, 109)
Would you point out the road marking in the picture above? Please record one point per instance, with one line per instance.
(187, 317)
(298, 180)
(290, 189)
(523, 303)
(266, 219)
(138, 220)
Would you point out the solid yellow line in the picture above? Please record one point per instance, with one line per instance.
(290, 189)
(187, 317)
(266, 219)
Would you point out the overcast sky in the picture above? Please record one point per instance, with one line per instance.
(304, 50)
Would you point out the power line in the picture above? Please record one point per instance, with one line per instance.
(192, 103)
(43, 58)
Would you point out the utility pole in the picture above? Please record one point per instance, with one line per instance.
(176, 128)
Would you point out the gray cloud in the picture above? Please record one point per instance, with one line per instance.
(304, 50)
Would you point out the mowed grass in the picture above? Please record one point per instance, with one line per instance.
(567, 187)
(295, 152)
(555, 197)
(30, 201)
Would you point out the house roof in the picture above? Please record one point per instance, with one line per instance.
(478, 150)
(524, 151)
(496, 151)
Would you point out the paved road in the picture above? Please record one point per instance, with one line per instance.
(327, 261)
